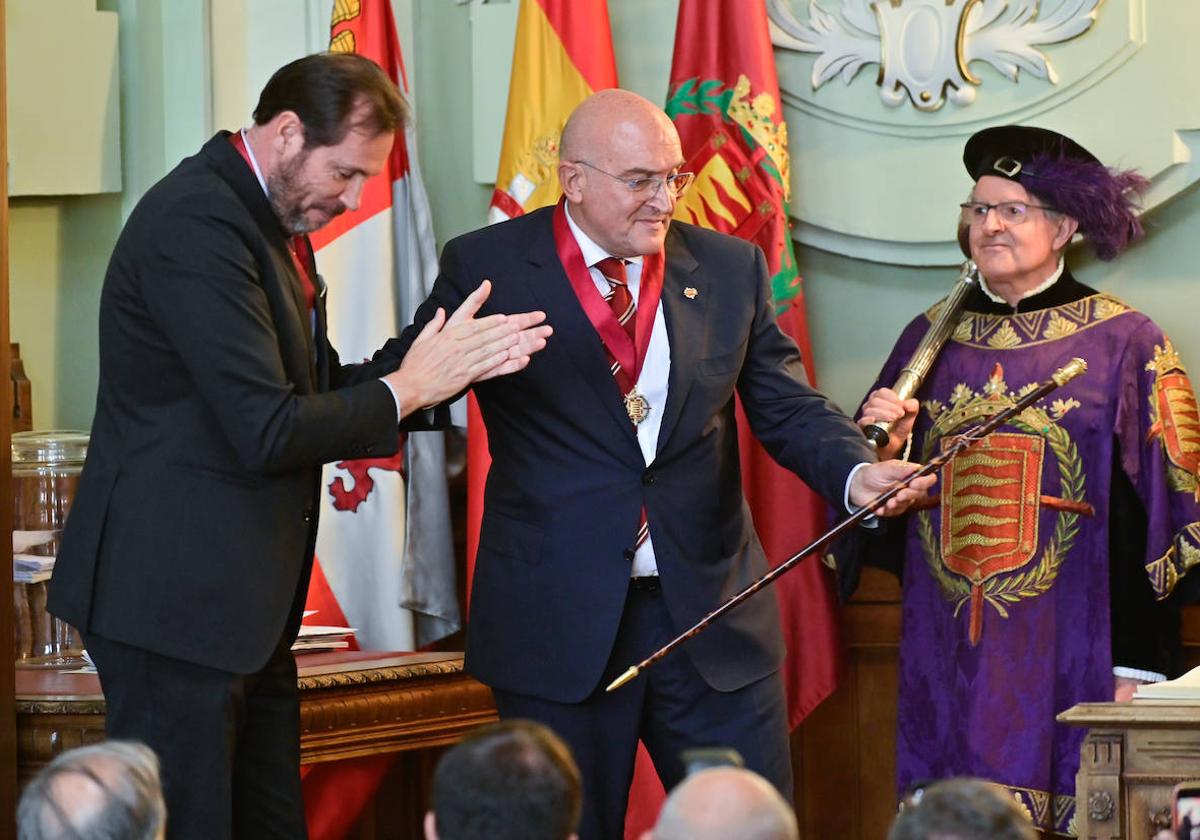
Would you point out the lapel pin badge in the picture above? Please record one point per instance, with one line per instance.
(690, 293)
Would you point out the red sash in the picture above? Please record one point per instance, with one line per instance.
(297, 245)
(630, 355)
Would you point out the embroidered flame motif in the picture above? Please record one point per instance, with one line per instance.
(989, 512)
(991, 497)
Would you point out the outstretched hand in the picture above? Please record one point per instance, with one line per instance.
(452, 352)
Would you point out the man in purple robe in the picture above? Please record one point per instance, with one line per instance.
(1045, 570)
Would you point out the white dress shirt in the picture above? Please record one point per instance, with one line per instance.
(652, 381)
(317, 281)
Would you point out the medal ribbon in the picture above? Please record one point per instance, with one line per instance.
(629, 354)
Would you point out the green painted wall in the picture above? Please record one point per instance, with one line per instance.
(61, 246)
(856, 308)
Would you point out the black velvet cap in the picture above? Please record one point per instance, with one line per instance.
(1004, 150)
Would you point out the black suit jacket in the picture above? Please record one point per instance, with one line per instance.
(568, 479)
(192, 530)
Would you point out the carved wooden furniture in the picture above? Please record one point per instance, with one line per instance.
(1135, 753)
(351, 704)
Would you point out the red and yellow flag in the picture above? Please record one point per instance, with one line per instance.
(563, 54)
(724, 99)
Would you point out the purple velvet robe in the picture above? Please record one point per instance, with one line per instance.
(1006, 616)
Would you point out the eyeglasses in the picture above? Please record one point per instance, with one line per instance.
(1009, 212)
(646, 188)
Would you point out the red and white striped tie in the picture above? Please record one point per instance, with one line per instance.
(624, 310)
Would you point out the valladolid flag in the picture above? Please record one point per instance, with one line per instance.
(562, 54)
(724, 99)
(384, 548)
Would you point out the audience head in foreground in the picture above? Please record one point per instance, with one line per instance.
(722, 803)
(514, 780)
(108, 790)
(963, 809)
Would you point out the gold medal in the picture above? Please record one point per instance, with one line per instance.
(636, 407)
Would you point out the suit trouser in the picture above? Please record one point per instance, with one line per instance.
(228, 744)
(669, 707)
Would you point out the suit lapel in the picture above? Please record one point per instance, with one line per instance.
(685, 314)
(573, 332)
(321, 337)
(234, 171)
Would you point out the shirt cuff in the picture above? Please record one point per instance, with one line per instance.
(1138, 674)
(395, 399)
(868, 521)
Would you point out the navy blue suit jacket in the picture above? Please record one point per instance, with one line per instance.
(568, 480)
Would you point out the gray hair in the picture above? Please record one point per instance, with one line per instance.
(964, 809)
(107, 790)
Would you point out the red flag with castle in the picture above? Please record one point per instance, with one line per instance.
(724, 99)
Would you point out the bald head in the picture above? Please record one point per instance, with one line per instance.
(600, 121)
(725, 802)
(617, 150)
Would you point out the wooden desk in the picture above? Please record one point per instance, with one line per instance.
(352, 703)
(1134, 754)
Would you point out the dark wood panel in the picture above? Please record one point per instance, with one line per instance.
(844, 753)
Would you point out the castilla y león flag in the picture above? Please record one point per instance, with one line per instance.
(385, 562)
(724, 99)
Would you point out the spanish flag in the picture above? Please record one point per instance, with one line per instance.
(563, 55)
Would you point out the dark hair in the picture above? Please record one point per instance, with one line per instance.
(333, 93)
(59, 803)
(963, 809)
(512, 780)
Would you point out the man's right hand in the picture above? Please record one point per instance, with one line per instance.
(885, 405)
(451, 353)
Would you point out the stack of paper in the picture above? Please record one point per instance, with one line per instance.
(32, 568)
(313, 637)
(1184, 688)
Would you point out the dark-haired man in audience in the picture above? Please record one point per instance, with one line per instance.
(513, 780)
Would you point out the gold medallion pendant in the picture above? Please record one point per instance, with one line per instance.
(636, 407)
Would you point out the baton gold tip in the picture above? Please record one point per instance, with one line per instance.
(1069, 371)
(624, 678)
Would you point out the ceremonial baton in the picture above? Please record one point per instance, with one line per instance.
(913, 374)
(1062, 376)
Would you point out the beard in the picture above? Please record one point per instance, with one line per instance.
(288, 196)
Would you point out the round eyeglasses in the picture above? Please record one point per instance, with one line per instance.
(648, 187)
